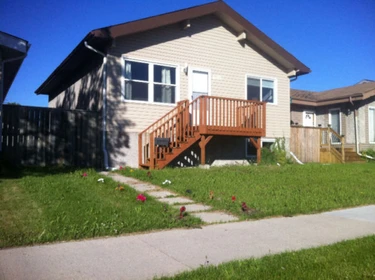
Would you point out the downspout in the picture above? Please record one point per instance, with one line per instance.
(292, 79)
(2, 90)
(104, 111)
(356, 132)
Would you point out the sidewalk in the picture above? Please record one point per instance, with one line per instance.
(144, 256)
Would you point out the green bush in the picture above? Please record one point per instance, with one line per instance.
(268, 156)
(369, 152)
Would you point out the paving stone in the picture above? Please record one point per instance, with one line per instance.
(120, 178)
(215, 217)
(143, 187)
(195, 207)
(174, 200)
(161, 194)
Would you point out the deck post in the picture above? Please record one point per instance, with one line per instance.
(140, 148)
(202, 144)
(343, 149)
(152, 151)
(257, 145)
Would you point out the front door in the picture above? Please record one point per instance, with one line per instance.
(335, 122)
(199, 85)
(308, 118)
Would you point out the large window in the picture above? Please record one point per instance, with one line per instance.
(149, 82)
(371, 124)
(261, 89)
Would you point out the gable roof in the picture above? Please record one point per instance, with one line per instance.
(360, 91)
(102, 38)
(13, 51)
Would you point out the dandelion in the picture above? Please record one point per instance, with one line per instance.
(141, 197)
(131, 170)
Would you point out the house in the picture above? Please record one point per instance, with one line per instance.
(13, 51)
(186, 87)
(350, 111)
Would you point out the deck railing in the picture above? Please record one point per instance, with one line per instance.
(333, 142)
(206, 115)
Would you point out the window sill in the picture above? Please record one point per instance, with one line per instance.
(149, 103)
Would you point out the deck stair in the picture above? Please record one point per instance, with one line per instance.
(199, 121)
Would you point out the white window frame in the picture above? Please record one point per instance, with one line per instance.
(304, 116)
(275, 99)
(190, 74)
(330, 121)
(150, 81)
(370, 108)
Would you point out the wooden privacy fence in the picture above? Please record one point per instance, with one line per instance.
(305, 143)
(50, 136)
(317, 144)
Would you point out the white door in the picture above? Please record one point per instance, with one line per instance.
(199, 85)
(335, 122)
(308, 118)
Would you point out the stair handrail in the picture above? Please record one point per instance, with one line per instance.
(327, 140)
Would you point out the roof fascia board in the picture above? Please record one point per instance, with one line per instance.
(13, 42)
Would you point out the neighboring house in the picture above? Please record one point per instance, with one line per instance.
(13, 51)
(145, 69)
(350, 111)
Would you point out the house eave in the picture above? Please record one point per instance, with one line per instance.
(13, 51)
(328, 101)
(220, 9)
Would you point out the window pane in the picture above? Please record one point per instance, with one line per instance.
(253, 89)
(267, 95)
(136, 91)
(252, 93)
(267, 91)
(136, 70)
(164, 74)
(164, 94)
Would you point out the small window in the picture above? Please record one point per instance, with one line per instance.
(149, 82)
(261, 89)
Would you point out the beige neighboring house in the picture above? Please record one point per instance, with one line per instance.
(188, 87)
(350, 111)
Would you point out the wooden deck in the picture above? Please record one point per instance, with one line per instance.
(200, 120)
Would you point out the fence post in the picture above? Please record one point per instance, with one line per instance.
(343, 149)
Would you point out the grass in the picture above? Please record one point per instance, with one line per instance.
(354, 259)
(46, 205)
(272, 190)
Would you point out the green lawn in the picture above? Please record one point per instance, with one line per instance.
(272, 190)
(354, 259)
(45, 205)
(54, 204)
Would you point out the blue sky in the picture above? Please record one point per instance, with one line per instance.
(335, 38)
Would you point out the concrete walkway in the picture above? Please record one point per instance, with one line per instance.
(144, 256)
(198, 210)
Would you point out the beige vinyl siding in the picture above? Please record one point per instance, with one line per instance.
(207, 45)
(84, 94)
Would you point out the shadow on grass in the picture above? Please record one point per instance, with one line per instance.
(11, 171)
